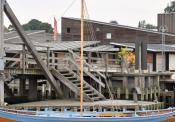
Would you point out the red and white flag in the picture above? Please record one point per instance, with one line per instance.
(55, 29)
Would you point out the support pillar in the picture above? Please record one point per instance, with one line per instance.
(126, 94)
(146, 94)
(1, 53)
(118, 93)
(142, 95)
(22, 84)
(135, 97)
(151, 94)
(43, 91)
(32, 89)
(49, 87)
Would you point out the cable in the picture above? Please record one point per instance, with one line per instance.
(68, 7)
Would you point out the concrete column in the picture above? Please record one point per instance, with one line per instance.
(22, 85)
(1, 52)
(32, 89)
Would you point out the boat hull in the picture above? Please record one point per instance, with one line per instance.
(35, 118)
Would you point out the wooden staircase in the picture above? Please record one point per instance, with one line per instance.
(72, 81)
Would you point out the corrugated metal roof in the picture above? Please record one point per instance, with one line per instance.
(55, 46)
(150, 47)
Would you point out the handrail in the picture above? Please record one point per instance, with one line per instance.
(88, 73)
(89, 66)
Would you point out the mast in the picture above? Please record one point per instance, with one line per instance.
(1, 52)
(81, 57)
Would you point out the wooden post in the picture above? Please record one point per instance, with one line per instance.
(118, 93)
(126, 94)
(23, 58)
(151, 94)
(81, 57)
(1, 53)
(146, 94)
(106, 62)
(22, 88)
(89, 60)
(48, 54)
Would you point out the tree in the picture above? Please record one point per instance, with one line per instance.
(143, 24)
(114, 22)
(170, 7)
(35, 24)
(127, 59)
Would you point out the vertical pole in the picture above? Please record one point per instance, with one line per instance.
(48, 54)
(23, 58)
(1, 53)
(81, 57)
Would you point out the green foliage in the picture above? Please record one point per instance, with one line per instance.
(38, 25)
(35, 24)
(127, 55)
(170, 8)
(123, 52)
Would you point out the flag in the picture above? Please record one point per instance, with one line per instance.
(55, 29)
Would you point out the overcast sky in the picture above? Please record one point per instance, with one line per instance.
(126, 12)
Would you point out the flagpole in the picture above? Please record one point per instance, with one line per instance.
(81, 57)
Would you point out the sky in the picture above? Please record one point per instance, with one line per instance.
(125, 12)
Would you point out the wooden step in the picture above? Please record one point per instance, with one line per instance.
(68, 74)
(75, 81)
(92, 95)
(88, 91)
(96, 98)
(64, 72)
(72, 78)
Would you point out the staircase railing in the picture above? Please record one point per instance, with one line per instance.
(75, 56)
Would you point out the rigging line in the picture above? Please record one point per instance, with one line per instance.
(90, 29)
(90, 26)
(70, 5)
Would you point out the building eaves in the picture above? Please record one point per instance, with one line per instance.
(150, 47)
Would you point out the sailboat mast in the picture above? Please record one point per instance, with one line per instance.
(1, 52)
(81, 57)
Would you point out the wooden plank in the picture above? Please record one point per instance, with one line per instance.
(31, 48)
